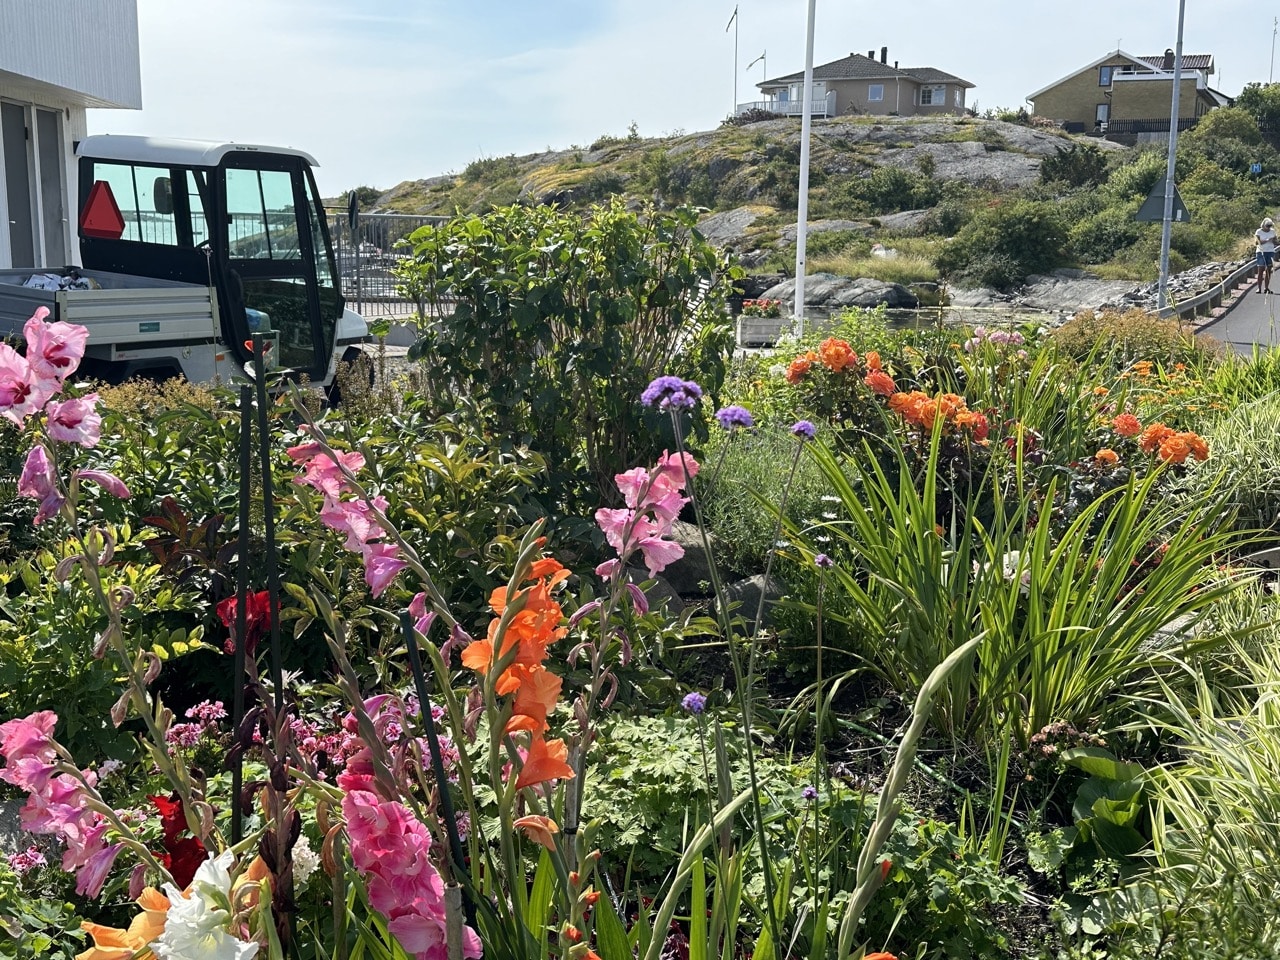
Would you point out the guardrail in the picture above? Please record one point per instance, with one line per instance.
(1204, 302)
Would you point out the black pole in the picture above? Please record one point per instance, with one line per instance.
(242, 613)
(437, 761)
(269, 518)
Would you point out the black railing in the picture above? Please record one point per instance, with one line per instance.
(1150, 125)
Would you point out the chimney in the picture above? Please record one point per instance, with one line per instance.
(1168, 59)
(884, 54)
(871, 54)
(895, 64)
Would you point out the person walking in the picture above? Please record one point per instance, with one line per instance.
(1265, 252)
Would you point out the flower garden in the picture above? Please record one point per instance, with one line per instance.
(585, 638)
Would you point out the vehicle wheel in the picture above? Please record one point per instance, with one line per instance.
(355, 363)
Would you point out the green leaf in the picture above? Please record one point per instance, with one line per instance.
(611, 935)
(1100, 763)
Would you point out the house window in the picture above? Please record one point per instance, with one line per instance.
(959, 97)
(1104, 76)
(875, 92)
(933, 96)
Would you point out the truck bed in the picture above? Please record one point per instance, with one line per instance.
(126, 310)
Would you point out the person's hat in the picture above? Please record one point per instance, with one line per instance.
(1266, 222)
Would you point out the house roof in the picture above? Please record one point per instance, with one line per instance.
(858, 66)
(1192, 61)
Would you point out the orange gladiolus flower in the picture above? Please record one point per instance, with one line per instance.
(1106, 456)
(880, 382)
(546, 761)
(539, 829)
(881, 955)
(836, 355)
(1126, 425)
(112, 943)
(536, 694)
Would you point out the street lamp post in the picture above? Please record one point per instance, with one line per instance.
(1167, 231)
(802, 205)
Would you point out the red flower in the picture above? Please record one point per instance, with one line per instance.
(257, 620)
(183, 855)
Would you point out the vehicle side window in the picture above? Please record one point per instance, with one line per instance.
(262, 220)
(134, 189)
(195, 201)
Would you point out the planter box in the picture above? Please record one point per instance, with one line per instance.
(761, 331)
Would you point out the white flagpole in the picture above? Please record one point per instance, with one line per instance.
(733, 22)
(802, 212)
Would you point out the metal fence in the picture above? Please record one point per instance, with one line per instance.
(367, 258)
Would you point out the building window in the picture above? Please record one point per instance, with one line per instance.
(959, 97)
(1104, 76)
(933, 96)
(875, 92)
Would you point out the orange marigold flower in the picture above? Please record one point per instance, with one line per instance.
(1199, 449)
(880, 382)
(1174, 449)
(836, 355)
(797, 370)
(1126, 425)
(1154, 436)
(1107, 456)
(1142, 368)
(872, 360)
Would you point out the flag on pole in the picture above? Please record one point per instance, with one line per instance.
(731, 19)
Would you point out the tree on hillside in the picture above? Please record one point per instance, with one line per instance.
(366, 197)
(1262, 102)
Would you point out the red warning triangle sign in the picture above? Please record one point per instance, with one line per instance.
(100, 218)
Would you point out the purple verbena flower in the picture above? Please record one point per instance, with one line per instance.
(809, 793)
(804, 430)
(694, 702)
(667, 393)
(735, 416)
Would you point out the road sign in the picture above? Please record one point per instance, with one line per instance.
(1153, 207)
(1255, 168)
(353, 210)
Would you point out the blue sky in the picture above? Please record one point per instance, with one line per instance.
(387, 90)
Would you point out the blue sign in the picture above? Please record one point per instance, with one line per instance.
(1255, 168)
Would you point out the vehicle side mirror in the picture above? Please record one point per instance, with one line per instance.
(162, 191)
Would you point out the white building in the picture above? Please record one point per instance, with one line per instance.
(57, 58)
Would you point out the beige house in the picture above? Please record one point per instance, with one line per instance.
(1121, 94)
(860, 84)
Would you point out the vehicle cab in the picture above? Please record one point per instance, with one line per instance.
(246, 220)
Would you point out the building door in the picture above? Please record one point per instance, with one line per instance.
(18, 185)
(49, 163)
(1103, 116)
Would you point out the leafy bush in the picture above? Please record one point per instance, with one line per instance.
(1098, 238)
(491, 169)
(562, 322)
(886, 190)
(1004, 243)
(1210, 180)
(1077, 165)
(754, 115)
(1124, 338)
(1138, 176)
(1235, 123)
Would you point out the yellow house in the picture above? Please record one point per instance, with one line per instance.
(1120, 94)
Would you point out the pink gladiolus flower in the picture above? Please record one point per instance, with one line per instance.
(107, 481)
(325, 475)
(607, 569)
(381, 564)
(75, 421)
(54, 350)
(354, 518)
(93, 875)
(659, 553)
(22, 391)
(423, 618)
(29, 737)
(39, 483)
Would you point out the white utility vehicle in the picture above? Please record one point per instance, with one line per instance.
(188, 248)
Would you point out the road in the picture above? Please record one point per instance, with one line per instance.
(1252, 320)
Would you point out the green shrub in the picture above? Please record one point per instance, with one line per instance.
(1077, 165)
(1098, 238)
(1004, 243)
(1138, 176)
(886, 190)
(491, 169)
(1210, 180)
(1246, 451)
(1124, 338)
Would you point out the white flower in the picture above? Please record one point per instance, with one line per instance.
(196, 927)
(305, 861)
(107, 767)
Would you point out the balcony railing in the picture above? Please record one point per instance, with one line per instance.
(822, 106)
(1152, 125)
